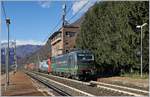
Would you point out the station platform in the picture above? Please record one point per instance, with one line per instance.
(20, 85)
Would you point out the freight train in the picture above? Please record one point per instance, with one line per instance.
(45, 66)
(76, 64)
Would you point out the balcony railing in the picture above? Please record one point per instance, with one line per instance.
(55, 40)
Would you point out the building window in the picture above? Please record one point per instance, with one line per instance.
(59, 35)
(70, 34)
(66, 43)
(67, 51)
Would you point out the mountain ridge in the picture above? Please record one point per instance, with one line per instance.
(22, 51)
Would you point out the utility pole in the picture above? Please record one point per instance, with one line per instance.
(6, 67)
(38, 61)
(64, 15)
(7, 62)
(15, 58)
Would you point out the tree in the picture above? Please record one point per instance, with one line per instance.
(109, 31)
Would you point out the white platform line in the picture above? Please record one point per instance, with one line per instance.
(86, 83)
(85, 93)
(117, 90)
(133, 89)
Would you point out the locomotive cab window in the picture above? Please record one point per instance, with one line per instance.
(71, 61)
(81, 56)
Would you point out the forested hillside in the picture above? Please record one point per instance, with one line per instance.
(109, 31)
(42, 54)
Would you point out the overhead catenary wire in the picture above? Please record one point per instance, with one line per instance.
(61, 19)
(69, 9)
(68, 20)
(58, 23)
(4, 11)
(52, 30)
(78, 11)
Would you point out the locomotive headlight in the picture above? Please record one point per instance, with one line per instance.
(76, 67)
(92, 71)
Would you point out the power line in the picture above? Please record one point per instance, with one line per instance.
(58, 23)
(69, 8)
(78, 11)
(52, 30)
(68, 20)
(4, 10)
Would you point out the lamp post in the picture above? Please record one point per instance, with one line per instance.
(7, 64)
(141, 26)
(15, 57)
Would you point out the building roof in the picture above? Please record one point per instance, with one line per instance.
(54, 34)
(75, 24)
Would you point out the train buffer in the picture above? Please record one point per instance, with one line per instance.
(20, 85)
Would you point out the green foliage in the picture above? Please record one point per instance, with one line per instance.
(109, 31)
(136, 75)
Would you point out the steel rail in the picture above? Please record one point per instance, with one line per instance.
(110, 87)
(78, 91)
(61, 92)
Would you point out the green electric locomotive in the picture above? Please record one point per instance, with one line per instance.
(76, 64)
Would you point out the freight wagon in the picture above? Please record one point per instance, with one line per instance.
(30, 66)
(45, 66)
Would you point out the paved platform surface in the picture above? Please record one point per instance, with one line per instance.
(20, 85)
(143, 83)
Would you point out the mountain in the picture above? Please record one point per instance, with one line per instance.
(22, 51)
(42, 53)
(26, 50)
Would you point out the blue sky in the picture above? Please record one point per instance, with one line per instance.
(33, 21)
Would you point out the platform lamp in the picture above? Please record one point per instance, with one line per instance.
(7, 64)
(141, 27)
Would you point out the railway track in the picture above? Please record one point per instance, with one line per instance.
(46, 83)
(62, 89)
(96, 88)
